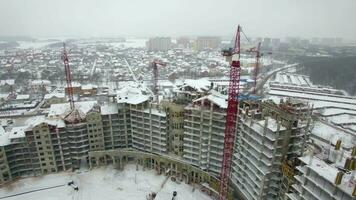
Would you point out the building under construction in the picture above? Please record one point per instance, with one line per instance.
(191, 137)
(270, 139)
(183, 140)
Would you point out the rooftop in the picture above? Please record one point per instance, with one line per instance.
(63, 109)
(131, 95)
(329, 172)
(216, 98)
(109, 109)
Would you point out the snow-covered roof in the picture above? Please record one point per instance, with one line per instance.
(333, 134)
(54, 94)
(22, 97)
(3, 96)
(34, 121)
(199, 85)
(272, 124)
(40, 82)
(155, 112)
(4, 137)
(329, 173)
(7, 82)
(216, 98)
(17, 132)
(63, 109)
(76, 84)
(109, 109)
(131, 95)
(89, 87)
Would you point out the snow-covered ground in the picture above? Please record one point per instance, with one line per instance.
(105, 183)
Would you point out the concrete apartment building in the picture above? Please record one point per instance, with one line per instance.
(115, 118)
(60, 141)
(207, 42)
(159, 44)
(204, 127)
(268, 137)
(188, 128)
(149, 128)
(317, 179)
(146, 121)
(175, 117)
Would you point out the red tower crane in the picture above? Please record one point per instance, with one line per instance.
(257, 64)
(68, 76)
(231, 115)
(154, 64)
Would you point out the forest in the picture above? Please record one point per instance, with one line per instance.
(336, 71)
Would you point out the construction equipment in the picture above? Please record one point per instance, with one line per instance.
(154, 64)
(257, 64)
(256, 69)
(231, 115)
(68, 76)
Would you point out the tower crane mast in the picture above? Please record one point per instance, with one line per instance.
(68, 76)
(257, 64)
(231, 114)
(154, 64)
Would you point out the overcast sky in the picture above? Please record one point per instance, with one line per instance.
(266, 18)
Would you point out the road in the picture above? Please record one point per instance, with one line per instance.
(262, 82)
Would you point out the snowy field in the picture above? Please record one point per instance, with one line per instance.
(104, 183)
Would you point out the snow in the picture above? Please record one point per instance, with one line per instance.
(76, 84)
(17, 132)
(7, 82)
(34, 121)
(155, 112)
(329, 173)
(89, 87)
(4, 137)
(332, 134)
(40, 82)
(342, 119)
(63, 109)
(109, 109)
(131, 95)
(22, 96)
(200, 85)
(313, 97)
(336, 111)
(3, 96)
(54, 94)
(272, 124)
(216, 98)
(103, 183)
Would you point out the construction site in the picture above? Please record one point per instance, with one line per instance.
(203, 141)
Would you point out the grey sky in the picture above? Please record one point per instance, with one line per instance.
(271, 18)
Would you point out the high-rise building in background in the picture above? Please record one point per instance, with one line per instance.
(183, 42)
(207, 42)
(159, 44)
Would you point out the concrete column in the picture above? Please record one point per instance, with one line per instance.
(159, 168)
(90, 165)
(113, 160)
(187, 177)
(171, 171)
(193, 177)
(121, 166)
